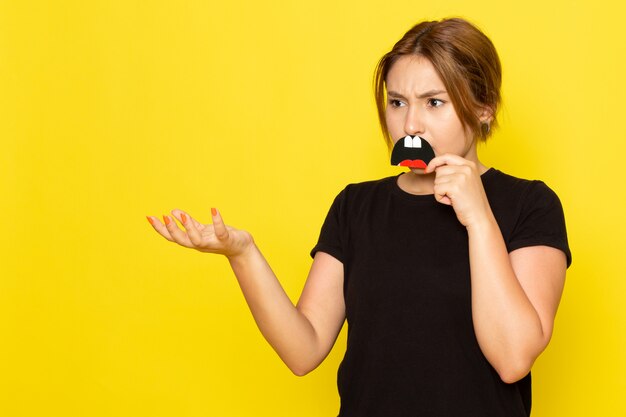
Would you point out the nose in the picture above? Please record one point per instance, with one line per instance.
(413, 123)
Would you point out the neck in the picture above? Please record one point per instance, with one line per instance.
(418, 184)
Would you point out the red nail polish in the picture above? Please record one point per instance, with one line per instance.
(150, 220)
(166, 220)
(214, 211)
(182, 216)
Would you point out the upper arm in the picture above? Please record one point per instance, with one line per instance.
(322, 301)
(540, 271)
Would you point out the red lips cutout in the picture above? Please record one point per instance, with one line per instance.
(413, 163)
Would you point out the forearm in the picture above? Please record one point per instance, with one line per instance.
(286, 329)
(507, 326)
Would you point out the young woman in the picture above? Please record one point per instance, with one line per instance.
(449, 276)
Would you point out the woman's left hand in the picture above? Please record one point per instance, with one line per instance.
(458, 183)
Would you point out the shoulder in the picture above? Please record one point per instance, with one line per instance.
(528, 212)
(498, 180)
(508, 190)
(363, 191)
(346, 213)
(357, 198)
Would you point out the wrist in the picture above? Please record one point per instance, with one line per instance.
(483, 224)
(244, 253)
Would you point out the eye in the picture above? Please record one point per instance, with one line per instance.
(395, 103)
(435, 102)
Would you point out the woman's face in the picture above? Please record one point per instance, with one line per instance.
(418, 104)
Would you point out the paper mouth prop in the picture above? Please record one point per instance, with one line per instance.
(412, 152)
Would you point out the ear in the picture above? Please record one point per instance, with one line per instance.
(485, 114)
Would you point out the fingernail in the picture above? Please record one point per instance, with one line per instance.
(182, 216)
(150, 220)
(166, 220)
(213, 211)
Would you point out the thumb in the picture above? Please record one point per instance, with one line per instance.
(218, 225)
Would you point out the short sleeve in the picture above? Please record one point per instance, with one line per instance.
(331, 239)
(541, 221)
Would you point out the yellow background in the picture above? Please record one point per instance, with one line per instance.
(113, 110)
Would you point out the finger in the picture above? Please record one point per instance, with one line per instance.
(178, 235)
(441, 194)
(446, 170)
(221, 232)
(434, 163)
(457, 174)
(443, 179)
(445, 159)
(192, 231)
(445, 200)
(178, 213)
(450, 185)
(160, 228)
(441, 197)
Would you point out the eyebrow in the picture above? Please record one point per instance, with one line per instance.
(425, 94)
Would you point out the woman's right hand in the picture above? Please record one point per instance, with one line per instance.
(213, 238)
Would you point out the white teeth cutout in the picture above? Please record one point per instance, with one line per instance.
(410, 142)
